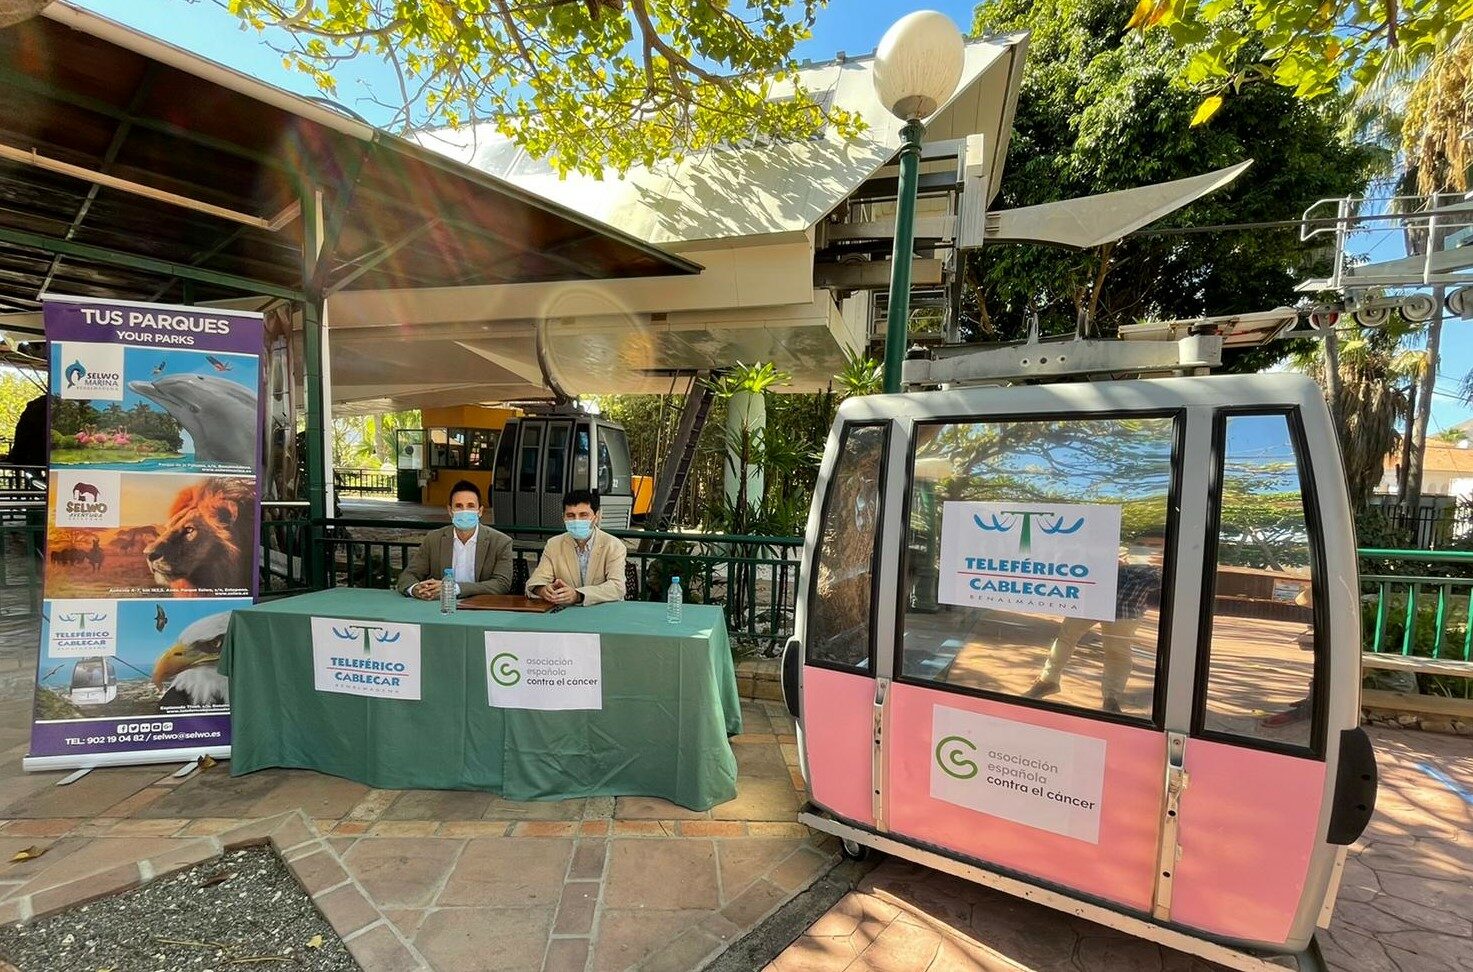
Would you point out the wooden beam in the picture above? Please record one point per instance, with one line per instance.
(1412, 663)
(1415, 702)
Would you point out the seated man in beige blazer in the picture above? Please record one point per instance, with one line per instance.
(480, 556)
(583, 565)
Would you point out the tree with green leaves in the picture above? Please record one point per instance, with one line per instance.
(1315, 48)
(584, 84)
(1102, 109)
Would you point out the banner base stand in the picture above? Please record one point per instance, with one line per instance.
(91, 761)
(186, 769)
(74, 777)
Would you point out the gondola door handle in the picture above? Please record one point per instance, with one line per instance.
(1177, 780)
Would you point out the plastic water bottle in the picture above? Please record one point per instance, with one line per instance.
(447, 591)
(674, 602)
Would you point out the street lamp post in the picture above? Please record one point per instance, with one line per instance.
(917, 66)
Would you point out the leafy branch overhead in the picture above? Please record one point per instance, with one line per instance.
(1315, 47)
(585, 84)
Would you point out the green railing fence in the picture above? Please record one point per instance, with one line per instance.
(1417, 616)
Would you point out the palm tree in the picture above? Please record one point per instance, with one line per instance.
(1375, 377)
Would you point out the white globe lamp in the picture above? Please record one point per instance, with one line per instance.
(918, 64)
(917, 67)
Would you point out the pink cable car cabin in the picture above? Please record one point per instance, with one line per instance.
(1095, 644)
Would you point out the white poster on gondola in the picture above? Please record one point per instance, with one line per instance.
(1059, 559)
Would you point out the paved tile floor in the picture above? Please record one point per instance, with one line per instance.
(440, 880)
(1406, 902)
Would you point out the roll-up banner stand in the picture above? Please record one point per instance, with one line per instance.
(152, 529)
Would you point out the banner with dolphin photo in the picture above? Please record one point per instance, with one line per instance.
(153, 528)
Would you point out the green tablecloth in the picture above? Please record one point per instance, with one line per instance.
(669, 702)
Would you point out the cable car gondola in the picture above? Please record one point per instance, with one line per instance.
(1093, 644)
(94, 682)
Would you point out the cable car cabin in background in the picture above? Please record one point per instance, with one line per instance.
(94, 682)
(1097, 644)
(541, 457)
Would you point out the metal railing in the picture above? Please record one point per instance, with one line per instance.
(754, 578)
(364, 482)
(1417, 616)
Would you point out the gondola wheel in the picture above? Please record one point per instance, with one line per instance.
(853, 849)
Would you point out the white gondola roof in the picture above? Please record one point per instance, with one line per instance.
(771, 190)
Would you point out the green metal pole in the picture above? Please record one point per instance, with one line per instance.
(312, 370)
(898, 319)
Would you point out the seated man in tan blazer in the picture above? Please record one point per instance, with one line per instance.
(583, 565)
(480, 556)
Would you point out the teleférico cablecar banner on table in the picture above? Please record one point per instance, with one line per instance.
(152, 532)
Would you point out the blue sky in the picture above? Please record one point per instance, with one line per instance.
(853, 26)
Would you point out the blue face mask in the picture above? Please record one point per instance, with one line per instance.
(580, 529)
(466, 519)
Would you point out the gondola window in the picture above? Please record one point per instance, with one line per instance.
(1260, 681)
(839, 631)
(1036, 556)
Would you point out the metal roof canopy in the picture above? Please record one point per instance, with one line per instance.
(84, 92)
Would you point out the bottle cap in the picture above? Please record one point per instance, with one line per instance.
(675, 580)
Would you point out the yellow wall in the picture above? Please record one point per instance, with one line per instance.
(437, 491)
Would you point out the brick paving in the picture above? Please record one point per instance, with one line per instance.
(432, 880)
(1405, 905)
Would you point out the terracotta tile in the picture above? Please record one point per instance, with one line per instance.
(644, 828)
(652, 808)
(589, 857)
(795, 777)
(683, 954)
(747, 908)
(404, 828)
(372, 804)
(576, 910)
(566, 955)
(96, 827)
(787, 739)
(82, 890)
(759, 799)
(439, 805)
(341, 845)
(657, 874)
(712, 828)
(12, 911)
(402, 872)
(379, 949)
(799, 870)
(284, 831)
(760, 761)
(215, 793)
(55, 850)
(754, 737)
(346, 909)
(315, 794)
(88, 797)
(812, 953)
(546, 828)
(721, 928)
(507, 872)
(769, 828)
(790, 754)
(49, 827)
(210, 826)
(840, 920)
(754, 720)
(318, 872)
(904, 947)
(162, 827)
(136, 802)
(93, 857)
(407, 920)
(484, 939)
(744, 861)
(304, 850)
(350, 828)
(628, 937)
(184, 853)
(503, 809)
(594, 828)
(475, 828)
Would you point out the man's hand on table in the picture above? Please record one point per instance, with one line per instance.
(559, 593)
(427, 590)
